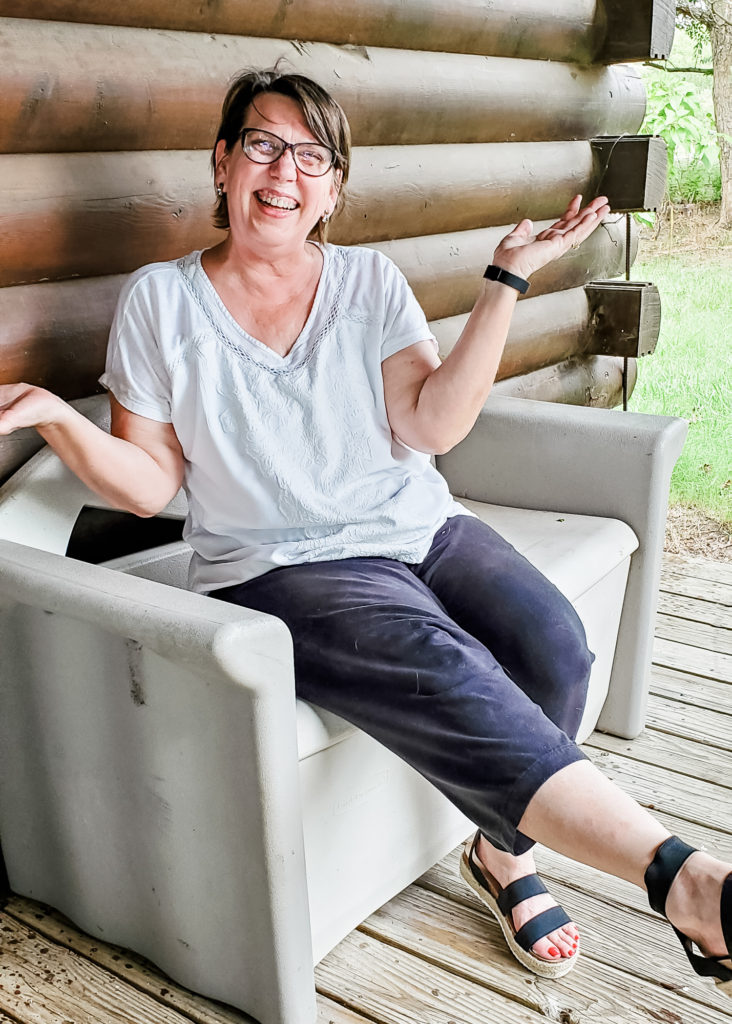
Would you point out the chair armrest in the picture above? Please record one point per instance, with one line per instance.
(181, 709)
(599, 462)
(195, 630)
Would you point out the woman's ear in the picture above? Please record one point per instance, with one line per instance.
(222, 161)
(335, 187)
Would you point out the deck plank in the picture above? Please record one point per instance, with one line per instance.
(666, 750)
(704, 588)
(694, 660)
(695, 634)
(694, 609)
(394, 986)
(612, 981)
(701, 568)
(714, 728)
(43, 983)
(688, 689)
(333, 1013)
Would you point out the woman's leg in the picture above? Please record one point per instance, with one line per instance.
(373, 644)
(582, 814)
(502, 600)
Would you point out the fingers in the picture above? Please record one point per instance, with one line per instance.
(581, 221)
(522, 230)
(574, 205)
(24, 405)
(573, 214)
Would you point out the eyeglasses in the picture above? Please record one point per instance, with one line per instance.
(265, 148)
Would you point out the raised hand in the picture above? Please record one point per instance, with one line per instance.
(522, 252)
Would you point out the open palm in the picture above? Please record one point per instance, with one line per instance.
(523, 252)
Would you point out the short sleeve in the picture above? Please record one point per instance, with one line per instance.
(135, 372)
(404, 320)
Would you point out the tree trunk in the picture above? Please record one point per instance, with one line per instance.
(721, 39)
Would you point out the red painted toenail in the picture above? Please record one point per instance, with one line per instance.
(570, 952)
(553, 951)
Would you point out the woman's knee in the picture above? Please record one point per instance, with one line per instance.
(566, 663)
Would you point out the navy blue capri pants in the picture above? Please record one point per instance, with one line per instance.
(470, 665)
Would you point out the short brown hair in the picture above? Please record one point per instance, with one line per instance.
(323, 116)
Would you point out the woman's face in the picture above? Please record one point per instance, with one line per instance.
(253, 189)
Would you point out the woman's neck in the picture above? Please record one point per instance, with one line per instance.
(259, 273)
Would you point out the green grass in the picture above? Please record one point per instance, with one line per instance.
(690, 374)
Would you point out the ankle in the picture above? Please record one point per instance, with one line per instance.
(505, 867)
(692, 905)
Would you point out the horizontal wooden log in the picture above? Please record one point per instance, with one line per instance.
(397, 191)
(54, 334)
(68, 215)
(544, 330)
(445, 271)
(58, 211)
(638, 30)
(590, 380)
(631, 168)
(578, 322)
(567, 32)
(625, 317)
(72, 87)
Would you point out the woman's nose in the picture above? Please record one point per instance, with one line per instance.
(284, 166)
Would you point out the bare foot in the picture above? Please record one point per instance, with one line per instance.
(506, 868)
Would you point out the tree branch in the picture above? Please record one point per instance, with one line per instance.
(672, 68)
(694, 13)
(706, 14)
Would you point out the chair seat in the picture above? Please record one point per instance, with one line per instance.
(577, 553)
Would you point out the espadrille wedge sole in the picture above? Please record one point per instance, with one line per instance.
(501, 902)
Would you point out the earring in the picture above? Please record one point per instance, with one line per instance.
(219, 190)
(326, 217)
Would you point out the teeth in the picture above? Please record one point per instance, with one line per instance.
(281, 202)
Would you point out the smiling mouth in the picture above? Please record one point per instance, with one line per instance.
(276, 202)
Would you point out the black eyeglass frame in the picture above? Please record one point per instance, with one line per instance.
(293, 146)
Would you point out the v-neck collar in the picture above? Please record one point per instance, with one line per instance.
(236, 336)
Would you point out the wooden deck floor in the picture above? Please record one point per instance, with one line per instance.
(431, 955)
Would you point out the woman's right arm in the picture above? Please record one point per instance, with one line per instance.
(137, 468)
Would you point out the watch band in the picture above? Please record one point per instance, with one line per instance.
(494, 273)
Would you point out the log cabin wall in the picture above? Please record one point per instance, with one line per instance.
(466, 117)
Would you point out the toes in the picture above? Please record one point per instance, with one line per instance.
(546, 949)
(562, 943)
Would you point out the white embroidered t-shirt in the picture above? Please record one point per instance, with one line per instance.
(290, 458)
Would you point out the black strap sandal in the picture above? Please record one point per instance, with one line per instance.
(658, 879)
(501, 901)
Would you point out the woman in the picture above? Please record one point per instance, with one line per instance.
(294, 389)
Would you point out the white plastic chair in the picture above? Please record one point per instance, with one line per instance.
(162, 786)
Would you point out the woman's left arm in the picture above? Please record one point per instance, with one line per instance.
(433, 405)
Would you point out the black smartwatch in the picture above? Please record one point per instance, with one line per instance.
(513, 280)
